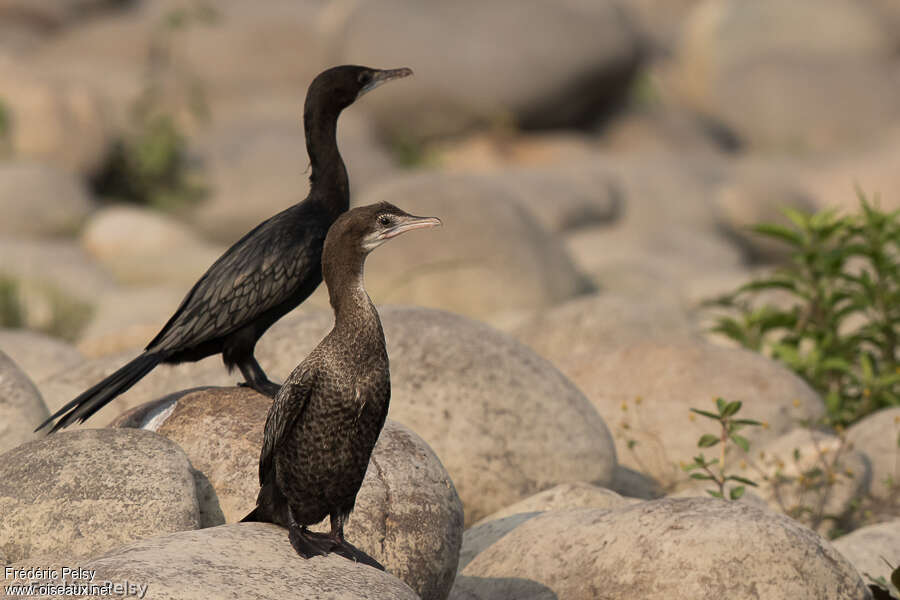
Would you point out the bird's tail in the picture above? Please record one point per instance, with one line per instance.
(99, 395)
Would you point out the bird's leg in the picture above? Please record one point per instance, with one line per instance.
(301, 539)
(255, 377)
(342, 547)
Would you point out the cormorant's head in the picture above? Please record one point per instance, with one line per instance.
(367, 227)
(342, 85)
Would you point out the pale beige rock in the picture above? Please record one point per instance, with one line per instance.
(757, 192)
(809, 76)
(249, 560)
(126, 319)
(38, 199)
(407, 515)
(137, 246)
(448, 96)
(490, 255)
(868, 548)
(486, 151)
(790, 465)
(600, 321)
(38, 355)
(877, 437)
(562, 496)
(21, 406)
(645, 390)
(53, 120)
(668, 549)
(257, 149)
(74, 494)
(53, 284)
(454, 381)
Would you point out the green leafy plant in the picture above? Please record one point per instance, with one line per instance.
(840, 323)
(715, 469)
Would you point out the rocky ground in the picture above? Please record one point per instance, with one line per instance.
(595, 163)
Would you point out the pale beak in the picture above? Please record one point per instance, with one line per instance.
(408, 224)
(384, 76)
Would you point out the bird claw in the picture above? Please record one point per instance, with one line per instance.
(266, 388)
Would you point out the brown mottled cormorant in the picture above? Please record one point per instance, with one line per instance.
(324, 422)
(267, 273)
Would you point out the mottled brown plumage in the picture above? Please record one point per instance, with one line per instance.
(264, 275)
(325, 420)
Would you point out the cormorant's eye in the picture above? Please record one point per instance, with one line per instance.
(384, 220)
(364, 77)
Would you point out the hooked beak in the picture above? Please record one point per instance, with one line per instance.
(409, 224)
(384, 76)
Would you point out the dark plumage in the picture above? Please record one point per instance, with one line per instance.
(324, 422)
(267, 273)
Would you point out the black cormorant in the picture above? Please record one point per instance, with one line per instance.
(267, 273)
(322, 427)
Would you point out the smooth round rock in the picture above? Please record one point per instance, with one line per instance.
(407, 515)
(645, 391)
(600, 321)
(248, 560)
(448, 95)
(790, 464)
(669, 549)
(128, 241)
(21, 406)
(76, 494)
(38, 199)
(805, 77)
(868, 547)
(562, 496)
(877, 437)
(37, 354)
(489, 256)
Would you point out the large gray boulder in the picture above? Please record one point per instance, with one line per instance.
(76, 494)
(54, 120)
(504, 422)
(563, 496)
(39, 199)
(137, 246)
(407, 516)
(587, 324)
(646, 389)
(250, 560)
(490, 256)
(671, 549)
(868, 548)
(877, 437)
(21, 406)
(37, 354)
(523, 73)
(804, 76)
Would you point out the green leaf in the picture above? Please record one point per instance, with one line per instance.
(746, 422)
(741, 441)
(720, 405)
(731, 408)
(715, 494)
(740, 479)
(705, 413)
(737, 492)
(703, 476)
(779, 232)
(707, 440)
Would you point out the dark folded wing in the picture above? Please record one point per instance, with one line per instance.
(288, 406)
(267, 267)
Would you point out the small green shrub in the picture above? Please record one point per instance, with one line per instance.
(840, 326)
(714, 470)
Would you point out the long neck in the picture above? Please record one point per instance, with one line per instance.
(353, 309)
(328, 179)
